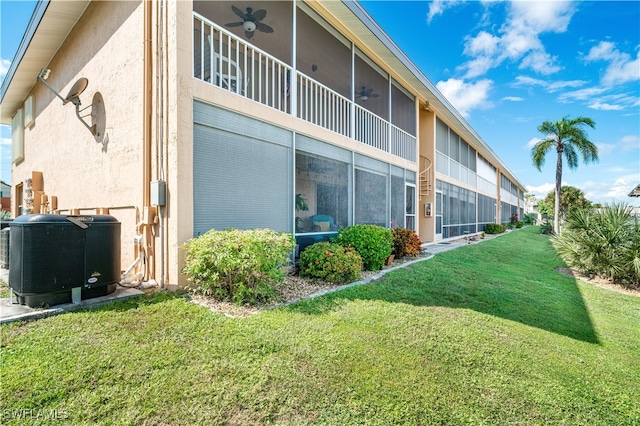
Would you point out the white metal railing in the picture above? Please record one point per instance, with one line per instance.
(322, 106)
(371, 129)
(452, 168)
(403, 144)
(508, 197)
(226, 61)
(487, 186)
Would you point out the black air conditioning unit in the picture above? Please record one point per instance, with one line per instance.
(53, 254)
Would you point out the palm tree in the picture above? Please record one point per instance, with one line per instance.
(568, 137)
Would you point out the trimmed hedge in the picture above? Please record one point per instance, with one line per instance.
(372, 242)
(494, 228)
(330, 262)
(236, 265)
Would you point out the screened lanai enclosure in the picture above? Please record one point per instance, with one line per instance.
(250, 174)
(303, 67)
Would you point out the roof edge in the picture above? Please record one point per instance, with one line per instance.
(34, 21)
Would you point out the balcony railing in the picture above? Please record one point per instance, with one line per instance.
(452, 168)
(224, 60)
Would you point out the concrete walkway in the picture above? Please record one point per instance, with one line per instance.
(11, 312)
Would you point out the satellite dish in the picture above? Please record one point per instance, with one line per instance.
(77, 88)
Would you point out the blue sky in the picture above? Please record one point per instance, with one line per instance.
(507, 66)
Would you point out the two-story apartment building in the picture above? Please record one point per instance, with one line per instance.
(300, 116)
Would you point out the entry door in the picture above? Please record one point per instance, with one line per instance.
(438, 215)
(410, 207)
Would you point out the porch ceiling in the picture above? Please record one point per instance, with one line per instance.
(50, 24)
(356, 20)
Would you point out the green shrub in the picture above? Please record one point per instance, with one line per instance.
(494, 228)
(519, 225)
(546, 228)
(373, 243)
(405, 242)
(604, 242)
(529, 219)
(330, 262)
(238, 266)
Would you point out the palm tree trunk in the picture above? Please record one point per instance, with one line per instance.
(556, 205)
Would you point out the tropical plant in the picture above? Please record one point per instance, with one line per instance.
(603, 242)
(405, 242)
(571, 198)
(330, 262)
(569, 139)
(301, 206)
(5, 214)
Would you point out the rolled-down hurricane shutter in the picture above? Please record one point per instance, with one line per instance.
(241, 172)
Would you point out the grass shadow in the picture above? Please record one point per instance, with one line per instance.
(512, 277)
(131, 303)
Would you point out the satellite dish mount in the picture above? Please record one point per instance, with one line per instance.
(73, 96)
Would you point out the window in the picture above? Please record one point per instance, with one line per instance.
(17, 137)
(323, 185)
(370, 198)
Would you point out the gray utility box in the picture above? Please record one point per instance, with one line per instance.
(53, 254)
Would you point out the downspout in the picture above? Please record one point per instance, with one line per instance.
(160, 64)
(146, 129)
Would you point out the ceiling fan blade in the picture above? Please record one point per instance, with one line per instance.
(249, 34)
(234, 24)
(263, 27)
(373, 95)
(238, 12)
(369, 92)
(258, 15)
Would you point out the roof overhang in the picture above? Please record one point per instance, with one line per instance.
(50, 24)
(635, 192)
(353, 16)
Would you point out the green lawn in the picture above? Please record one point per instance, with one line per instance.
(485, 334)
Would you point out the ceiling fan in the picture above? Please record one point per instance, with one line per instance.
(364, 94)
(250, 21)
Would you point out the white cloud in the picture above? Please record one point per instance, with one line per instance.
(5, 141)
(597, 98)
(437, 7)
(581, 95)
(513, 98)
(540, 62)
(619, 190)
(603, 106)
(601, 191)
(605, 148)
(629, 142)
(621, 69)
(484, 43)
(532, 142)
(4, 68)
(465, 96)
(541, 191)
(519, 38)
(549, 86)
(615, 188)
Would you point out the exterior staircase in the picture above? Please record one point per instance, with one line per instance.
(425, 177)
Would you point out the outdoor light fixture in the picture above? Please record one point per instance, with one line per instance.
(73, 96)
